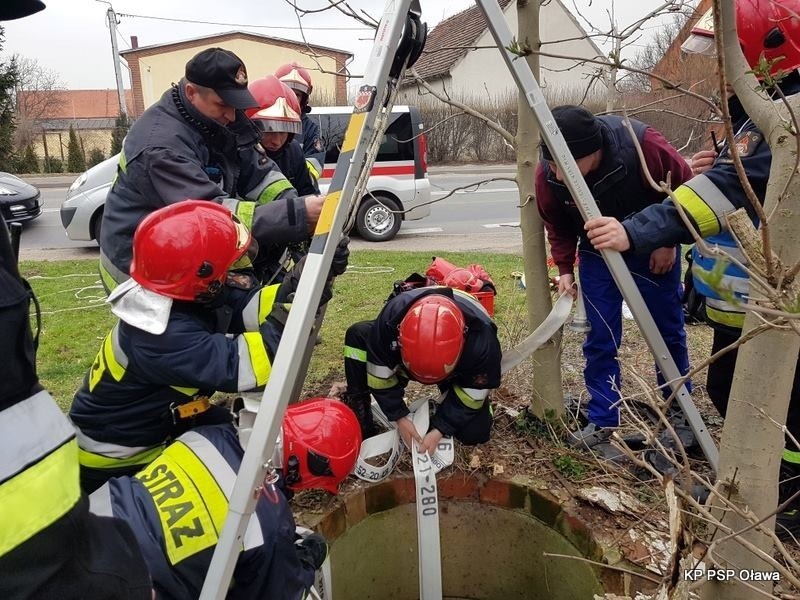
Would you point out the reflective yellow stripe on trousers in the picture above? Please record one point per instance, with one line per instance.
(38, 469)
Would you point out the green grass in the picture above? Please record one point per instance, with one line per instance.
(75, 319)
(570, 467)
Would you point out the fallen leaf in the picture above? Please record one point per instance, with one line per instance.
(475, 462)
(497, 469)
(612, 500)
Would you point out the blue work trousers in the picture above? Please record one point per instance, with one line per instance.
(662, 294)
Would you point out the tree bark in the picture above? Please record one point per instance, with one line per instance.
(752, 441)
(547, 399)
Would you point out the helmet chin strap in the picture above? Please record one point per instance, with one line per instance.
(245, 417)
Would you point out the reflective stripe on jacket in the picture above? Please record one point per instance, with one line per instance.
(38, 469)
(724, 285)
(173, 153)
(467, 388)
(124, 407)
(177, 506)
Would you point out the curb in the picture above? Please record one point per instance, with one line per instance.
(65, 180)
(57, 181)
(470, 168)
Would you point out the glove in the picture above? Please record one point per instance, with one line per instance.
(290, 280)
(340, 257)
(338, 266)
(289, 285)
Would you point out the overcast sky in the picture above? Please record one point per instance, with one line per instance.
(71, 37)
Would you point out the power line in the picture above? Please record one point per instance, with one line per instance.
(122, 37)
(248, 25)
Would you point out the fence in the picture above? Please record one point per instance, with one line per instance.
(454, 136)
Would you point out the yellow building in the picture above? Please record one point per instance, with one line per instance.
(154, 68)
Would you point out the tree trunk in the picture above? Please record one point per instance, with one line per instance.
(547, 395)
(752, 443)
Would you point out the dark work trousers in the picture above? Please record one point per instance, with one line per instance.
(720, 379)
(662, 294)
(476, 431)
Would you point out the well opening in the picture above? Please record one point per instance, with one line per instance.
(493, 537)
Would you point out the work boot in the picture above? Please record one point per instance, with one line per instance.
(361, 404)
(589, 436)
(682, 429)
(576, 411)
(787, 523)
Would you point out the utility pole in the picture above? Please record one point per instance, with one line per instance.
(112, 28)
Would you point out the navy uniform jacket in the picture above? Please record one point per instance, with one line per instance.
(171, 153)
(177, 505)
(708, 196)
(137, 376)
(467, 388)
(313, 146)
(292, 163)
(50, 546)
(706, 199)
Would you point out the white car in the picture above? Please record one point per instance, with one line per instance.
(398, 188)
(82, 211)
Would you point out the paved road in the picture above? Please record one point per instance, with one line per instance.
(484, 219)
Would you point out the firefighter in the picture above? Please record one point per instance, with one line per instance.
(187, 328)
(278, 117)
(607, 158)
(196, 142)
(50, 546)
(766, 29)
(434, 335)
(298, 78)
(177, 504)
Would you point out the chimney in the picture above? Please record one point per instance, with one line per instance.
(134, 42)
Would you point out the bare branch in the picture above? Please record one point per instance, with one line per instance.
(605, 566)
(494, 126)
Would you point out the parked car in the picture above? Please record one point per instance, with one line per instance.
(82, 211)
(19, 201)
(398, 188)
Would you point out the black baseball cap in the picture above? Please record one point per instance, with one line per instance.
(580, 128)
(225, 73)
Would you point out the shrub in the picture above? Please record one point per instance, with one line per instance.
(121, 126)
(54, 165)
(28, 162)
(96, 156)
(76, 161)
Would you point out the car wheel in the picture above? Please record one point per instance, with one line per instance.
(97, 221)
(378, 219)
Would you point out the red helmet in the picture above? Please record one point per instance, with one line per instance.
(278, 108)
(184, 250)
(765, 27)
(321, 441)
(431, 338)
(463, 279)
(296, 77)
